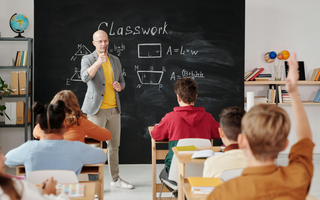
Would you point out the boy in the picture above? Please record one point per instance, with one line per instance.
(232, 157)
(264, 134)
(185, 121)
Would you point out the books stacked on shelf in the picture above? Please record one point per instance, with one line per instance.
(286, 97)
(260, 99)
(16, 113)
(315, 75)
(250, 76)
(317, 97)
(21, 58)
(19, 83)
(263, 77)
(272, 95)
(203, 185)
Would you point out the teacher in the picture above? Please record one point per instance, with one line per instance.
(103, 74)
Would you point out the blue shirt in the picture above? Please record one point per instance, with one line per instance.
(54, 154)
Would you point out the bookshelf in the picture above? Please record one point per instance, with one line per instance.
(276, 83)
(28, 98)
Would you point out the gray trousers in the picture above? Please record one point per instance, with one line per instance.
(110, 119)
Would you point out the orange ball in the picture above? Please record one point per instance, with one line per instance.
(285, 54)
(280, 56)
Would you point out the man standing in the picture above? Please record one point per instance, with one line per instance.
(103, 74)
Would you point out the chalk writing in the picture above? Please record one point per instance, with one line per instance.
(75, 77)
(149, 77)
(181, 51)
(185, 73)
(150, 50)
(82, 50)
(118, 49)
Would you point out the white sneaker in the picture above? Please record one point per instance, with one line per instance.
(121, 184)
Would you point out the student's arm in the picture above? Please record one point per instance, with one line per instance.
(160, 131)
(91, 155)
(300, 117)
(18, 155)
(94, 131)
(38, 132)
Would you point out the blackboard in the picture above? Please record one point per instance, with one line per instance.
(157, 42)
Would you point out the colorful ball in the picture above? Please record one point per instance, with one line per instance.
(280, 56)
(285, 54)
(267, 58)
(272, 55)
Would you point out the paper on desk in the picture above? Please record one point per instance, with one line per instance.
(71, 190)
(205, 154)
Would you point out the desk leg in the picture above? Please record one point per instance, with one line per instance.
(154, 170)
(101, 182)
(181, 175)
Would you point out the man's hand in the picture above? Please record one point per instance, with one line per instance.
(102, 58)
(49, 186)
(116, 85)
(293, 74)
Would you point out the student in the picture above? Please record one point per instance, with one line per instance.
(185, 121)
(14, 189)
(232, 157)
(77, 124)
(53, 152)
(264, 134)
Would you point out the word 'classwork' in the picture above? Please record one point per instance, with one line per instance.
(136, 30)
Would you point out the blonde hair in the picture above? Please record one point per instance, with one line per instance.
(266, 128)
(72, 108)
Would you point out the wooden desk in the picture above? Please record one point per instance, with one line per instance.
(183, 159)
(156, 155)
(189, 194)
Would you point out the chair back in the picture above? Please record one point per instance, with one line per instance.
(190, 169)
(230, 174)
(61, 176)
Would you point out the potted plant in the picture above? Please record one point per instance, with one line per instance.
(4, 90)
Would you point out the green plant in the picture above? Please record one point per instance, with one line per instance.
(4, 90)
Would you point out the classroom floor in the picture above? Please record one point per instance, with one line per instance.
(140, 177)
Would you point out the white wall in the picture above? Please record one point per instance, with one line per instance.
(270, 25)
(12, 137)
(293, 25)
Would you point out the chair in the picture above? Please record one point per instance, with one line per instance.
(61, 176)
(190, 170)
(230, 174)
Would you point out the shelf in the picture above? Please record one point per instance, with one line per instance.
(15, 96)
(14, 39)
(2, 124)
(13, 67)
(280, 82)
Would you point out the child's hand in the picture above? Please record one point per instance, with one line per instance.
(293, 74)
(49, 186)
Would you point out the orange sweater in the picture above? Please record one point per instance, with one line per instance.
(78, 133)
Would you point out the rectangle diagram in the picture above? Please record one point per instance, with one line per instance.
(150, 50)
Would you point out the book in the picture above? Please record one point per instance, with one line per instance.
(256, 74)
(260, 99)
(253, 73)
(8, 113)
(313, 75)
(247, 74)
(204, 154)
(317, 97)
(186, 149)
(13, 112)
(25, 59)
(269, 95)
(317, 76)
(262, 79)
(203, 185)
(16, 60)
(71, 190)
(21, 60)
(280, 94)
(301, 70)
(265, 75)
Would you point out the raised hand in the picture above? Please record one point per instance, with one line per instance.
(293, 74)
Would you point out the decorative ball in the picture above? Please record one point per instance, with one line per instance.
(272, 55)
(18, 23)
(280, 56)
(267, 58)
(285, 54)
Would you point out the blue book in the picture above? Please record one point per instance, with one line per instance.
(264, 75)
(21, 61)
(317, 97)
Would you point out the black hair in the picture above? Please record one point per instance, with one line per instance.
(50, 116)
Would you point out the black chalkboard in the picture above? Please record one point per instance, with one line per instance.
(158, 42)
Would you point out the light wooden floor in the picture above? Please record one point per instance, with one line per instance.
(140, 177)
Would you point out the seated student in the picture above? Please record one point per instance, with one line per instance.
(53, 152)
(185, 121)
(264, 134)
(232, 157)
(12, 188)
(77, 124)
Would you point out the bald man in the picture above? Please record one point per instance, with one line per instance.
(103, 74)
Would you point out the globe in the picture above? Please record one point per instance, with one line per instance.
(18, 23)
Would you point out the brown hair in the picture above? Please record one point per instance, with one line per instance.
(266, 128)
(187, 89)
(230, 121)
(72, 108)
(8, 188)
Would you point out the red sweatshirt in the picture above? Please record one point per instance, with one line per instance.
(185, 122)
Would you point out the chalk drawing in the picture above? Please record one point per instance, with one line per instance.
(149, 77)
(75, 77)
(150, 50)
(82, 50)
